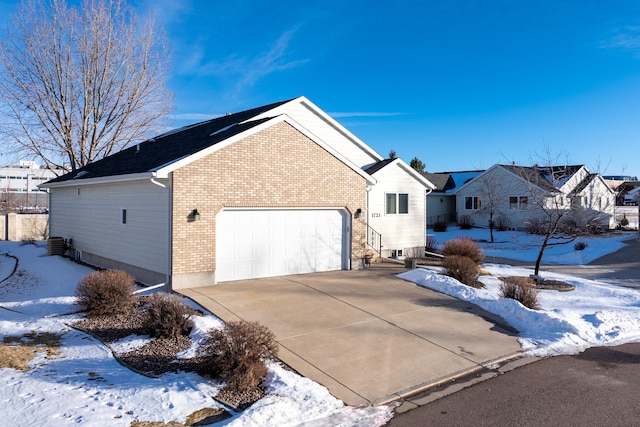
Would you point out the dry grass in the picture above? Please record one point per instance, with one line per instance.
(17, 352)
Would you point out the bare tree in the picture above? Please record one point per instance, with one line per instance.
(493, 195)
(562, 218)
(80, 83)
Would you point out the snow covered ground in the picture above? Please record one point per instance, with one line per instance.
(85, 385)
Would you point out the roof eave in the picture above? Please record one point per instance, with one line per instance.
(99, 180)
(165, 170)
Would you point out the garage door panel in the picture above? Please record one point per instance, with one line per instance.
(264, 243)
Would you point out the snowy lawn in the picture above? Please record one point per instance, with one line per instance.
(595, 313)
(85, 385)
(521, 246)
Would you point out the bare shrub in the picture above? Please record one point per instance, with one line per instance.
(502, 223)
(624, 221)
(106, 292)
(431, 244)
(439, 226)
(465, 222)
(536, 226)
(238, 353)
(463, 269)
(527, 295)
(464, 246)
(167, 316)
(579, 246)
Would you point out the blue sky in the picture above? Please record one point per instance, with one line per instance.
(461, 84)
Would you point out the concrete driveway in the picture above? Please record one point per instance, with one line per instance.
(366, 335)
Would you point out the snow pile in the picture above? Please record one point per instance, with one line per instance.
(595, 313)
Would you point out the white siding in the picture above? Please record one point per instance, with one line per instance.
(600, 203)
(93, 219)
(399, 231)
(505, 185)
(440, 207)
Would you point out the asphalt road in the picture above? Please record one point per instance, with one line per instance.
(599, 387)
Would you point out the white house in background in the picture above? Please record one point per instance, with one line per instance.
(275, 190)
(397, 207)
(510, 190)
(632, 197)
(441, 202)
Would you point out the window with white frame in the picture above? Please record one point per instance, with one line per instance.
(519, 203)
(472, 203)
(397, 203)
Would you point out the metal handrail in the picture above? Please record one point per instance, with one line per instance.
(374, 239)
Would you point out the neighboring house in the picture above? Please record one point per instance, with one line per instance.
(441, 202)
(276, 190)
(510, 191)
(396, 207)
(19, 186)
(632, 197)
(622, 185)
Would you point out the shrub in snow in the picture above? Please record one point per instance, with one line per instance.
(465, 222)
(624, 221)
(502, 223)
(579, 246)
(431, 244)
(463, 269)
(536, 226)
(167, 316)
(106, 292)
(238, 352)
(464, 246)
(439, 226)
(527, 295)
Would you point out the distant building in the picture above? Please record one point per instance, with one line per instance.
(19, 187)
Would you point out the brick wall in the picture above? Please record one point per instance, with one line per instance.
(276, 167)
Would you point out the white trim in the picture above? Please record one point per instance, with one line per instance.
(100, 180)
(166, 170)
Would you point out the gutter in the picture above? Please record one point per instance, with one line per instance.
(168, 231)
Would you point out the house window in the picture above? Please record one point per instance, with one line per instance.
(124, 216)
(397, 203)
(472, 203)
(518, 203)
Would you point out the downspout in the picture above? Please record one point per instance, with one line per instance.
(168, 260)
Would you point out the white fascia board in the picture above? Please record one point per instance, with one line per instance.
(341, 129)
(303, 101)
(415, 174)
(164, 172)
(100, 180)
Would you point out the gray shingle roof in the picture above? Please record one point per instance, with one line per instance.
(171, 146)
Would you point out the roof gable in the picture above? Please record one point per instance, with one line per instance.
(377, 167)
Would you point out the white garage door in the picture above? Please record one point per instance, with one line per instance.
(267, 243)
